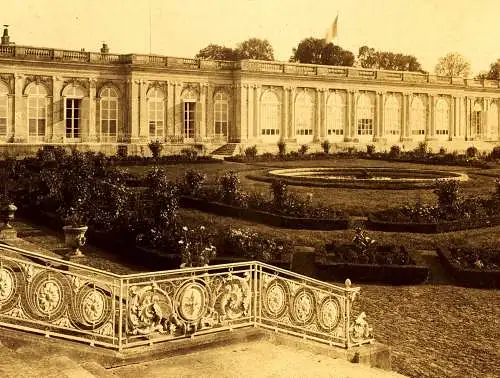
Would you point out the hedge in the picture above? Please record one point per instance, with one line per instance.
(469, 277)
(264, 217)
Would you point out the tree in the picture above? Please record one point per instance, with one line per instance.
(255, 48)
(453, 65)
(370, 58)
(217, 52)
(493, 73)
(317, 51)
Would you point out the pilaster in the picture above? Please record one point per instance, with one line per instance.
(55, 128)
(201, 133)
(317, 115)
(291, 132)
(285, 113)
(178, 126)
(20, 110)
(431, 106)
(92, 137)
(251, 111)
(257, 126)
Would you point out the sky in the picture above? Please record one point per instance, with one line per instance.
(427, 29)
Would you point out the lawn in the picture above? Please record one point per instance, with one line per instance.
(354, 201)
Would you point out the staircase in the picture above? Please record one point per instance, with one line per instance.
(228, 149)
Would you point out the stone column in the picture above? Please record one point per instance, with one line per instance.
(451, 126)
(486, 108)
(284, 114)
(56, 113)
(202, 131)
(406, 134)
(250, 111)
(382, 135)
(92, 109)
(324, 133)
(258, 92)
(376, 129)
(143, 110)
(20, 113)
(178, 111)
(354, 116)
(291, 134)
(432, 114)
(317, 116)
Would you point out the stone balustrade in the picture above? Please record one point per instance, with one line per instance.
(40, 53)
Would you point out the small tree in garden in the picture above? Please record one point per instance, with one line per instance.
(471, 152)
(196, 247)
(193, 180)
(421, 149)
(229, 185)
(495, 153)
(282, 148)
(326, 146)
(303, 149)
(155, 147)
(251, 152)
(280, 193)
(370, 149)
(449, 197)
(395, 151)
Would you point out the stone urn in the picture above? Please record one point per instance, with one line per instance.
(74, 238)
(8, 214)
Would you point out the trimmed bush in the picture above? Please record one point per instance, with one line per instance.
(471, 152)
(251, 152)
(326, 145)
(281, 148)
(370, 149)
(303, 149)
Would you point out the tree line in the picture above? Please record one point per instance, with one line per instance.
(318, 51)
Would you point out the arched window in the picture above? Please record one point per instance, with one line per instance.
(4, 108)
(418, 118)
(477, 119)
(221, 114)
(493, 121)
(336, 115)
(156, 114)
(109, 114)
(442, 118)
(270, 116)
(365, 115)
(304, 116)
(37, 110)
(392, 116)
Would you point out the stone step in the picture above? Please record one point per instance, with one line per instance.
(13, 366)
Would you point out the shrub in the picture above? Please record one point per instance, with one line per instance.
(229, 187)
(449, 197)
(282, 148)
(279, 190)
(303, 149)
(471, 152)
(326, 146)
(122, 152)
(442, 151)
(196, 247)
(495, 153)
(155, 147)
(193, 180)
(189, 153)
(421, 150)
(251, 152)
(395, 151)
(370, 149)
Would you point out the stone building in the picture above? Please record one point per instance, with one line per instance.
(100, 100)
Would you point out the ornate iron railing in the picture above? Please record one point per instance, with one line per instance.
(60, 298)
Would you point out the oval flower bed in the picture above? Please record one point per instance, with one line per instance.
(379, 263)
(473, 267)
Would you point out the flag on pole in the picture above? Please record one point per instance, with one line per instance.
(331, 33)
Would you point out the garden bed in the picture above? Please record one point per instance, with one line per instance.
(464, 273)
(263, 216)
(376, 223)
(376, 263)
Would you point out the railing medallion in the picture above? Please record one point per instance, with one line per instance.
(329, 313)
(9, 285)
(276, 298)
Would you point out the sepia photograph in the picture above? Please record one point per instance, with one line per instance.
(250, 188)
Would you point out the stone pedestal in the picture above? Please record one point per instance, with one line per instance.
(8, 233)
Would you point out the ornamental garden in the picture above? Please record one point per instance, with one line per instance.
(362, 214)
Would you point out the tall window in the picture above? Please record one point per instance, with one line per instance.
(189, 119)
(418, 118)
(336, 115)
(109, 114)
(72, 118)
(442, 117)
(270, 120)
(477, 119)
(156, 114)
(304, 116)
(221, 114)
(37, 110)
(392, 116)
(4, 108)
(365, 114)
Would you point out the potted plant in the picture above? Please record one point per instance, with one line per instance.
(74, 231)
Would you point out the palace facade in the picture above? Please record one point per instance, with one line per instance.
(100, 100)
